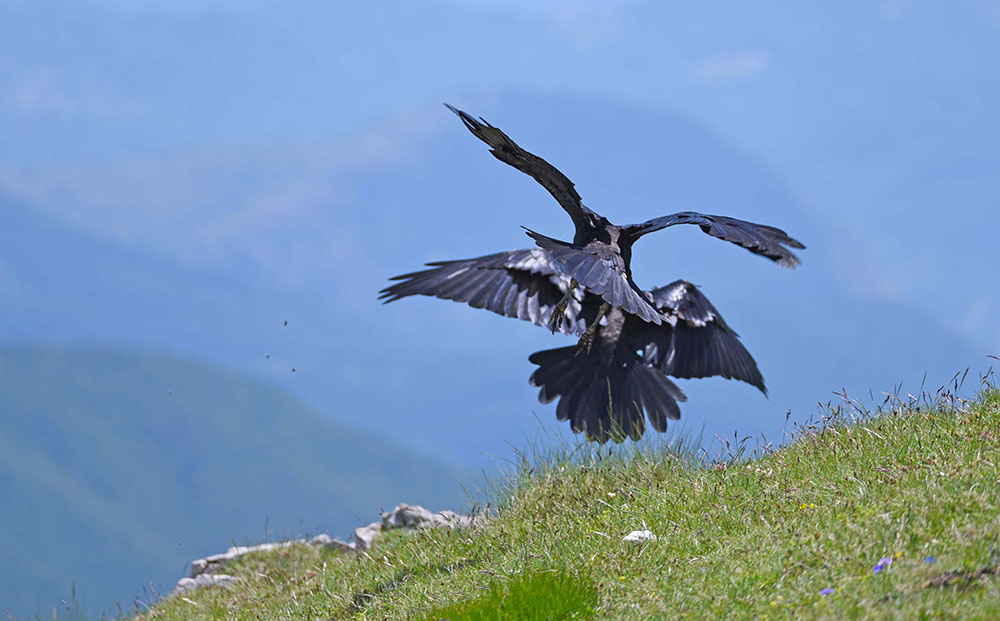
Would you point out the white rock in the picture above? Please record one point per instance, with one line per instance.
(208, 571)
(333, 543)
(365, 536)
(640, 535)
(450, 519)
(407, 516)
(204, 580)
(212, 564)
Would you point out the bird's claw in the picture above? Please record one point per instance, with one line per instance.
(587, 338)
(585, 343)
(559, 310)
(558, 313)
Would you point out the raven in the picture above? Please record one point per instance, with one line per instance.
(599, 258)
(604, 390)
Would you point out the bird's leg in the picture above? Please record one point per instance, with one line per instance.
(587, 338)
(560, 308)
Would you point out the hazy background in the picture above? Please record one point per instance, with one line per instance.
(180, 178)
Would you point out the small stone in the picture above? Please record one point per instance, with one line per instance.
(415, 516)
(333, 543)
(405, 516)
(366, 535)
(640, 535)
(213, 564)
(198, 567)
(204, 580)
(450, 519)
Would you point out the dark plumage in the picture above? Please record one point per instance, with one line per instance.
(600, 254)
(606, 390)
(616, 378)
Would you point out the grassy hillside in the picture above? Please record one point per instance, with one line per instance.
(117, 469)
(895, 515)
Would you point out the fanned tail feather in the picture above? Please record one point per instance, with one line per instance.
(605, 401)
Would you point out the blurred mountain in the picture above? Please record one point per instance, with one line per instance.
(118, 468)
(59, 283)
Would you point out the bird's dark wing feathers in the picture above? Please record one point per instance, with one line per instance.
(601, 272)
(759, 239)
(605, 401)
(683, 300)
(522, 284)
(701, 344)
(508, 152)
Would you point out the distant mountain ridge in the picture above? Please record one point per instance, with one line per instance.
(117, 468)
(61, 283)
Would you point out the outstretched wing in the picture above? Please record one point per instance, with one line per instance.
(701, 344)
(508, 152)
(759, 239)
(522, 284)
(601, 271)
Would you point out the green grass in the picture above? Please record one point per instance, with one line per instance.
(540, 595)
(738, 538)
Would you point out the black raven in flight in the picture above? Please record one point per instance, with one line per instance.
(599, 257)
(605, 389)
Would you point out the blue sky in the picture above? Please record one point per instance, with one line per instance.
(299, 150)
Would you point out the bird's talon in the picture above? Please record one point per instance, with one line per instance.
(587, 338)
(559, 311)
(557, 317)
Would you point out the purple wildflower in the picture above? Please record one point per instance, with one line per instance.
(882, 564)
(826, 591)
(930, 559)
